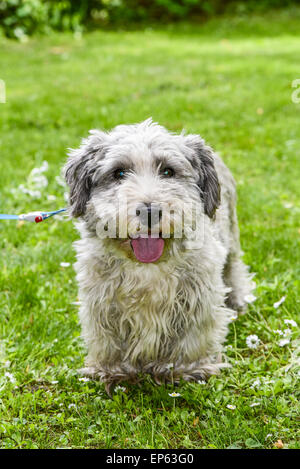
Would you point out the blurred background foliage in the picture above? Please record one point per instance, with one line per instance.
(20, 18)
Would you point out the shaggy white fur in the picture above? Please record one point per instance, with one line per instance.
(155, 306)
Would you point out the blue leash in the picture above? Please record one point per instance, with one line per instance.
(3, 216)
(35, 217)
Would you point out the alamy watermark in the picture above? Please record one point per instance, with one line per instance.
(2, 92)
(155, 221)
(296, 93)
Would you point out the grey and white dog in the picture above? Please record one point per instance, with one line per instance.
(154, 303)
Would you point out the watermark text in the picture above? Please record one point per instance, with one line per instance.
(296, 93)
(2, 92)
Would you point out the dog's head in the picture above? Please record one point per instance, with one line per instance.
(136, 184)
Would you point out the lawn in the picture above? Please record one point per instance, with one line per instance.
(229, 80)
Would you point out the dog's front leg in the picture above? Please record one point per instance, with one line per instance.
(104, 360)
(198, 354)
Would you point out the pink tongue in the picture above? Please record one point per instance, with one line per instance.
(148, 249)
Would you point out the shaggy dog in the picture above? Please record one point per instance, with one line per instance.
(153, 299)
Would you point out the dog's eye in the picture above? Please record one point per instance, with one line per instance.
(119, 173)
(168, 172)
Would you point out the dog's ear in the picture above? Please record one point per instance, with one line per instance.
(79, 169)
(203, 160)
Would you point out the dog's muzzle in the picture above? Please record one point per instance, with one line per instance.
(149, 215)
(149, 246)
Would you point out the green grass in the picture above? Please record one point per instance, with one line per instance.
(229, 80)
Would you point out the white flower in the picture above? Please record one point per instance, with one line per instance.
(33, 193)
(19, 32)
(234, 317)
(278, 331)
(10, 377)
(35, 172)
(39, 181)
(170, 366)
(231, 407)
(60, 181)
(252, 341)
(20, 35)
(174, 394)
(42, 169)
(120, 388)
(283, 342)
(65, 264)
(250, 298)
(290, 322)
(256, 383)
(254, 404)
(287, 332)
(201, 381)
(54, 382)
(22, 188)
(84, 380)
(36, 177)
(71, 406)
(278, 303)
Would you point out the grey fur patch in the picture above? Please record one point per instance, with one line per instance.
(79, 170)
(208, 179)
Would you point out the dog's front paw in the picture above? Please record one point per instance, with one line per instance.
(111, 376)
(237, 303)
(201, 371)
(195, 377)
(89, 371)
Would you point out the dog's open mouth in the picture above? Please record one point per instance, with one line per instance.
(147, 249)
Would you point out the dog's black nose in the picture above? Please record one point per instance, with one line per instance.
(149, 214)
